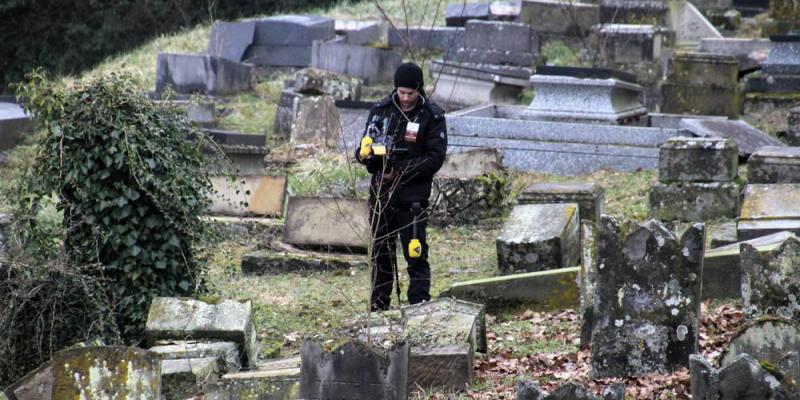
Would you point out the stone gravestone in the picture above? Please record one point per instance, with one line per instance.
(629, 12)
(645, 302)
(769, 208)
(35, 385)
(202, 73)
(364, 33)
(689, 24)
(307, 118)
(590, 197)
(576, 94)
(226, 352)
(560, 18)
(373, 65)
(539, 237)
(774, 341)
(748, 139)
(230, 40)
(771, 279)
(459, 13)
(274, 379)
(469, 188)
(249, 195)
(772, 164)
(744, 378)
(696, 180)
(530, 390)
(750, 52)
(354, 371)
(187, 377)
(702, 84)
(780, 72)
(313, 81)
(183, 319)
(286, 40)
(327, 222)
(625, 44)
(103, 373)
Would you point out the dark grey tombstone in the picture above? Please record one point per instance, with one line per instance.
(202, 73)
(354, 371)
(501, 36)
(278, 56)
(783, 59)
(774, 165)
(458, 14)
(686, 159)
(445, 39)
(771, 279)
(748, 139)
(529, 390)
(744, 378)
(572, 390)
(647, 291)
(774, 341)
(230, 40)
(373, 65)
(293, 30)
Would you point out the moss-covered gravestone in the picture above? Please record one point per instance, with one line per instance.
(769, 208)
(743, 378)
(773, 341)
(774, 164)
(703, 84)
(645, 302)
(771, 279)
(95, 373)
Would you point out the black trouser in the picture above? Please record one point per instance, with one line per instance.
(386, 225)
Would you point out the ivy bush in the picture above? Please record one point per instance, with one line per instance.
(130, 186)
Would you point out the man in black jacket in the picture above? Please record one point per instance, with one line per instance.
(403, 146)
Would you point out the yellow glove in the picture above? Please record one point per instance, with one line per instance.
(366, 147)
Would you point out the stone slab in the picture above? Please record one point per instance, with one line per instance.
(513, 37)
(545, 290)
(689, 24)
(35, 385)
(14, 125)
(286, 258)
(227, 352)
(273, 380)
(316, 81)
(539, 237)
(774, 165)
(653, 12)
(327, 222)
(783, 59)
(560, 17)
(468, 201)
(185, 378)
(250, 195)
(354, 371)
(722, 273)
(673, 121)
(230, 40)
(704, 69)
(505, 74)
(459, 13)
(447, 368)
(278, 56)
(743, 378)
(765, 201)
(700, 100)
(589, 197)
(623, 43)
(373, 65)
(453, 91)
(585, 73)
(750, 52)
(698, 160)
(723, 234)
(770, 280)
(693, 201)
(363, 33)
(293, 30)
(471, 164)
(199, 73)
(774, 341)
(306, 119)
(748, 139)
(444, 39)
(772, 84)
(486, 56)
(114, 373)
(183, 318)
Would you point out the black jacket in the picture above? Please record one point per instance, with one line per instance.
(414, 163)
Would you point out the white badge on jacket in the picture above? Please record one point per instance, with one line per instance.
(412, 129)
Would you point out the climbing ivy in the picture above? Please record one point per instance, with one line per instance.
(130, 186)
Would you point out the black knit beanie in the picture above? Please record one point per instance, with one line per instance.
(408, 75)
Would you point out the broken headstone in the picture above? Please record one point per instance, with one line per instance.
(327, 222)
(771, 164)
(227, 352)
(744, 378)
(771, 341)
(771, 279)
(590, 197)
(748, 139)
(230, 40)
(201, 73)
(107, 373)
(373, 65)
(313, 81)
(273, 380)
(769, 208)
(186, 377)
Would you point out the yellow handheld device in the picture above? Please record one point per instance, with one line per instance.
(415, 245)
(366, 147)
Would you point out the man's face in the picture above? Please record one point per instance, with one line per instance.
(408, 97)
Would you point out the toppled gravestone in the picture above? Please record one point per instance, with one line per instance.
(284, 258)
(307, 118)
(316, 81)
(772, 164)
(286, 40)
(230, 40)
(184, 378)
(444, 335)
(227, 352)
(589, 196)
(95, 373)
(771, 279)
(645, 301)
(470, 187)
(273, 380)
(695, 180)
(35, 385)
(744, 378)
(530, 390)
(354, 371)
(772, 341)
(769, 208)
(554, 289)
(249, 195)
(722, 270)
(184, 318)
(748, 139)
(201, 73)
(373, 65)
(327, 222)
(539, 237)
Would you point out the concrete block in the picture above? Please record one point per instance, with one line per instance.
(774, 165)
(230, 40)
(513, 37)
(293, 30)
(373, 65)
(228, 320)
(693, 201)
(704, 69)
(267, 55)
(684, 159)
(327, 222)
(539, 237)
(249, 195)
(544, 290)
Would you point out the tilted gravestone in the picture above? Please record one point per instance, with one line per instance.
(286, 40)
(373, 65)
(539, 237)
(590, 197)
(249, 195)
(769, 208)
(744, 378)
(95, 373)
(313, 81)
(364, 33)
(770, 340)
(354, 371)
(772, 164)
(230, 40)
(771, 279)
(327, 222)
(748, 139)
(463, 84)
(645, 315)
(201, 73)
(302, 118)
(183, 318)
